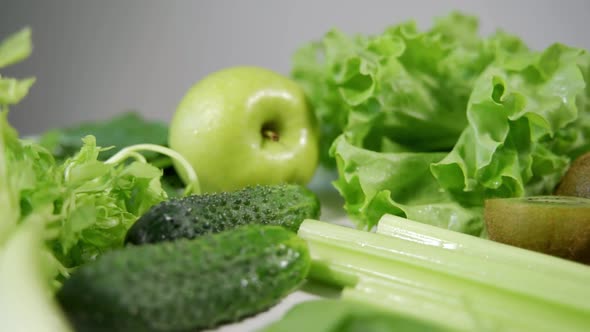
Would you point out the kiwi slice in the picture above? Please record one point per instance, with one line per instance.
(576, 181)
(554, 225)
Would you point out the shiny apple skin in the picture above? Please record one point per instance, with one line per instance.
(246, 125)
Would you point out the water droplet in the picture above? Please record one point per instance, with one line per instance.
(272, 271)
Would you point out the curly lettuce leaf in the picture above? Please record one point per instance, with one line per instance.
(438, 121)
(13, 90)
(13, 49)
(85, 204)
(98, 202)
(401, 183)
(88, 205)
(16, 47)
(27, 267)
(120, 131)
(524, 118)
(527, 118)
(402, 90)
(56, 216)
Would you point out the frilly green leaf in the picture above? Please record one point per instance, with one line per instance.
(16, 47)
(428, 124)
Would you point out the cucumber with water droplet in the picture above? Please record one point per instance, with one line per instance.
(284, 205)
(188, 284)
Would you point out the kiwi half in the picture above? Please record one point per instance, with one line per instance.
(554, 225)
(576, 181)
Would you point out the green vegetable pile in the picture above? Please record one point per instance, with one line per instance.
(85, 204)
(98, 231)
(428, 124)
(124, 130)
(453, 280)
(68, 205)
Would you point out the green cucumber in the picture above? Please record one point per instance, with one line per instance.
(188, 217)
(186, 285)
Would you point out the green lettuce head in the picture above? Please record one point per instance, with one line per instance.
(428, 124)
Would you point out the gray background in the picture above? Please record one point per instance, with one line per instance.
(93, 59)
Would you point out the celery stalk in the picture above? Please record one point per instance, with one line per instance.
(406, 306)
(406, 229)
(447, 311)
(546, 287)
(472, 311)
(461, 304)
(450, 318)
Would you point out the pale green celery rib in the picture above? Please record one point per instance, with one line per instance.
(546, 287)
(409, 230)
(446, 317)
(459, 304)
(453, 314)
(451, 318)
(472, 310)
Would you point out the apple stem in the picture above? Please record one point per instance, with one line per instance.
(271, 134)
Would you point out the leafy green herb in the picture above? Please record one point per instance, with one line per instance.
(126, 129)
(427, 124)
(16, 47)
(27, 267)
(88, 204)
(99, 202)
(123, 130)
(13, 49)
(403, 89)
(85, 205)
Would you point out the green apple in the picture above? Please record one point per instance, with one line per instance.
(246, 125)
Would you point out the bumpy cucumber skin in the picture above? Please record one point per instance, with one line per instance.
(186, 285)
(188, 217)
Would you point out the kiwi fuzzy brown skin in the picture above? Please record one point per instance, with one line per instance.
(554, 225)
(576, 181)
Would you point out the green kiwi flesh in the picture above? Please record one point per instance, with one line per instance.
(554, 225)
(576, 181)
